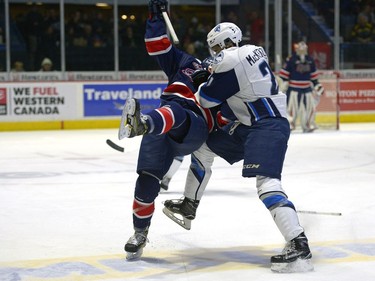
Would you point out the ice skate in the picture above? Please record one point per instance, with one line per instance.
(136, 243)
(132, 121)
(181, 211)
(296, 257)
(309, 130)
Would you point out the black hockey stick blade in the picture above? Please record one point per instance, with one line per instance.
(115, 146)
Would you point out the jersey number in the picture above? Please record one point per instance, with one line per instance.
(266, 70)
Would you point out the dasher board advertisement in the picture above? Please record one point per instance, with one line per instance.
(109, 99)
(38, 101)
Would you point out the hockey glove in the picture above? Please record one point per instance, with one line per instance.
(199, 77)
(207, 63)
(284, 86)
(156, 7)
(318, 89)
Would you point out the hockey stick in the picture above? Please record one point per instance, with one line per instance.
(169, 25)
(319, 213)
(115, 146)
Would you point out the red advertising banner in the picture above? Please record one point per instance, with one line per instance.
(357, 95)
(3, 101)
(328, 101)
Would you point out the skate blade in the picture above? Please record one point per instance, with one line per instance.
(300, 265)
(125, 124)
(183, 222)
(133, 256)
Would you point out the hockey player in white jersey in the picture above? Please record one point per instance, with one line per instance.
(242, 78)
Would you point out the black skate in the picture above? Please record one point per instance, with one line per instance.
(185, 209)
(296, 257)
(136, 243)
(132, 121)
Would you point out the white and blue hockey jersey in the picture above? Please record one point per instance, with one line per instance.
(243, 78)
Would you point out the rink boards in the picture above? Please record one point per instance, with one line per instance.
(92, 105)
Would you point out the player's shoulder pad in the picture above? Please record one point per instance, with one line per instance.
(225, 60)
(217, 60)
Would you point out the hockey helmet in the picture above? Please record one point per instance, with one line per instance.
(224, 35)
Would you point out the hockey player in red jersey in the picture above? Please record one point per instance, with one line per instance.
(178, 127)
(302, 87)
(242, 79)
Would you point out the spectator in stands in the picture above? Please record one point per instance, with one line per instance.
(179, 23)
(18, 66)
(132, 45)
(327, 10)
(256, 29)
(46, 65)
(368, 12)
(363, 31)
(99, 25)
(51, 18)
(34, 27)
(232, 17)
(129, 39)
(2, 37)
(75, 30)
(190, 49)
(49, 44)
(100, 30)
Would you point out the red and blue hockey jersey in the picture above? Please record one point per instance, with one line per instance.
(299, 74)
(178, 66)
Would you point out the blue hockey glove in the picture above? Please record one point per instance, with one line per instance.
(156, 7)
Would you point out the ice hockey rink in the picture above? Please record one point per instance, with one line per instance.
(66, 211)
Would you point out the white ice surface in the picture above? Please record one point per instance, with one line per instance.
(66, 211)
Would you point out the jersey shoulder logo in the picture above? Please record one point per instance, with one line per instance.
(219, 58)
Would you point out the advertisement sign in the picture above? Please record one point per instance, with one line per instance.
(109, 99)
(354, 95)
(36, 76)
(41, 101)
(357, 95)
(3, 101)
(91, 76)
(328, 101)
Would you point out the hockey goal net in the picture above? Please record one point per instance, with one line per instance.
(328, 109)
